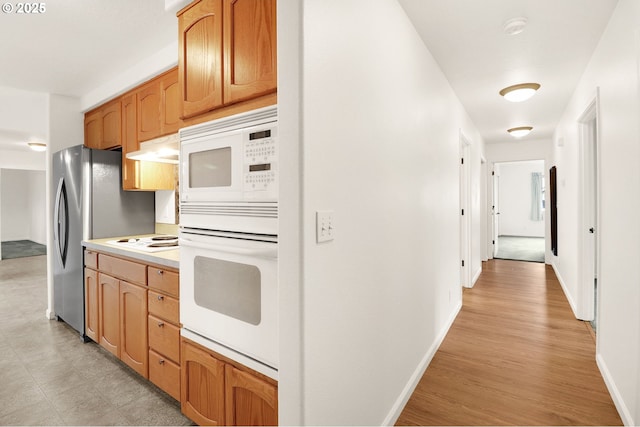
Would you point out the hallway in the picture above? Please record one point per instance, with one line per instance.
(515, 355)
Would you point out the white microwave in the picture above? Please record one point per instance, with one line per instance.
(229, 173)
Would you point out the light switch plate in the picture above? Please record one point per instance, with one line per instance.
(324, 226)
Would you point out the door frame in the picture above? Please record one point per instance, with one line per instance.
(588, 203)
(465, 212)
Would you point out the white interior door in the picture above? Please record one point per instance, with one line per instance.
(495, 212)
(588, 230)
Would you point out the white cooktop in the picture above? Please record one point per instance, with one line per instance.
(148, 244)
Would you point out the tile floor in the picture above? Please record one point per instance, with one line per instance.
(49, 377)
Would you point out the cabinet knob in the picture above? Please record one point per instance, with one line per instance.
(161, 361)
(160, 297)
(160, 272)
(160, 324)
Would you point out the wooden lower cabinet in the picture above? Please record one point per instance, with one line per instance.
(215, 392)
(250, 401)
(134, 318)
(109, 313)
(91, 303)
(165, 374)
(133, 327)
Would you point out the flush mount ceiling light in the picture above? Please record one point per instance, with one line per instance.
(37, 146)
(520, 92)
(514, 26)
(521, 131)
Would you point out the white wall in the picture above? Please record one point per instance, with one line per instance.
(37, 195)
(380, 147)
(15, 205)
(614, 70)
(515, 199)
(23, 205)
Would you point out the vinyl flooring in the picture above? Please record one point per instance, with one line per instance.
(49, 377)
(515, 355)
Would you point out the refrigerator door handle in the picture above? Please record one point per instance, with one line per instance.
(61, 223)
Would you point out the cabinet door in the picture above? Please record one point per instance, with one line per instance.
(249, 49)
(109, 313)
(250, 401)
(93, 129)
(133, 327)
(170, 103)
(111, 129)
(202, 386)
(148, 105)
(129, 142)
(200, 57)
(91, 304)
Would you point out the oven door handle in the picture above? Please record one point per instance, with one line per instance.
(271, 252)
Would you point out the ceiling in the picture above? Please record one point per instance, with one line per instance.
(77, 45)
(467, 40)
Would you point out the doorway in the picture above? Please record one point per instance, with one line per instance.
(22, 213)
(588, 222)
(519, 206)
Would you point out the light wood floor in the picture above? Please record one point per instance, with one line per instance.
(515, 355)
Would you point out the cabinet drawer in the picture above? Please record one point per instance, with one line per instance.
(123, 269)
(164, 338)
(164, 307)
(164, 280)
(165, 374)
(90, 259)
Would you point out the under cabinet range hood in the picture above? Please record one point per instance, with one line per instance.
(163, 150)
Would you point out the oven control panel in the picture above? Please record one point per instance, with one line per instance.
(260, 160)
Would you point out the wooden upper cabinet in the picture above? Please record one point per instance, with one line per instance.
(149, 102)
(93, 129)
(111, 131)
(158, 107)
(170, 103)
(129, 141)
(200, 57)
(249, 49)
(102, 127)
(250, 401)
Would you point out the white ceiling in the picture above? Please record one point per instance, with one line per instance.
(77, 45)
(466, 38)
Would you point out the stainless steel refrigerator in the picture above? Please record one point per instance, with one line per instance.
(89, 203)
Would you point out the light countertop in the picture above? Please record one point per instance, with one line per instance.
(170, 258)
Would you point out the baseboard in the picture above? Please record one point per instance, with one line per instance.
(572, 304)
(411, 385)
(476, 276)
(623, 411)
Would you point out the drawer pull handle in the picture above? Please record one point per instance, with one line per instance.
(161, 361)
(160, 272)
(160, 324)
(160, 297)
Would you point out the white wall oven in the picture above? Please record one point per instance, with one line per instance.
(228, 237)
